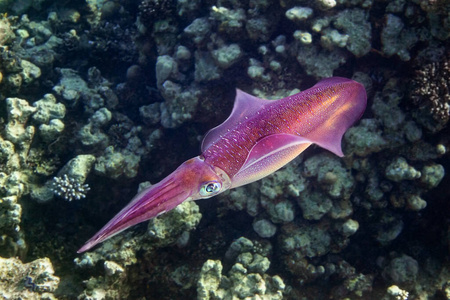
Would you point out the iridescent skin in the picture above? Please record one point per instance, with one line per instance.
(258, 138)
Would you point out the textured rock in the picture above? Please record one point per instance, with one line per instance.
(34, 280)
(245, 279)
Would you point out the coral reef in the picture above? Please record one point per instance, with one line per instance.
(34, 280)
(68, 188)
(119, 256)
(97, 96)
(431, 91)
(246, 277)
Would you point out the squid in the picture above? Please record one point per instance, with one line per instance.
(258, 138)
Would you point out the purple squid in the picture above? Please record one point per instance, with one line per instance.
(258, 138)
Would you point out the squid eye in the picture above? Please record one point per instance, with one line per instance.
(210, 188)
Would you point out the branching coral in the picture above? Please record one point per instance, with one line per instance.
(151, 10)
(431, 88)
(69, 188)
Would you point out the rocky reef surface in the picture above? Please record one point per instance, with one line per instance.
(99, 98)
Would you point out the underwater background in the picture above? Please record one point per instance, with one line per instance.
(97, 97)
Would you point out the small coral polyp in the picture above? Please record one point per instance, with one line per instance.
(69, 188)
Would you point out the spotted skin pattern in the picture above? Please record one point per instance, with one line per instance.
(259, 137)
